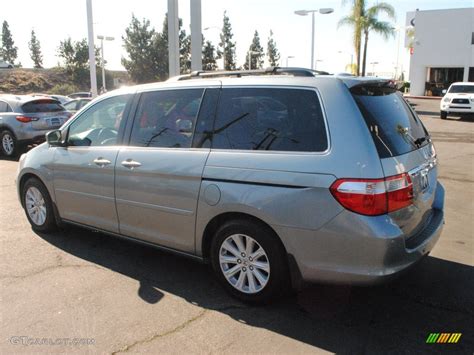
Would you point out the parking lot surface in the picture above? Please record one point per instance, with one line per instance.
(118, 296)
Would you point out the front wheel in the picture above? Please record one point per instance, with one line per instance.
(38, 206)
(250, 261)
(443, 115)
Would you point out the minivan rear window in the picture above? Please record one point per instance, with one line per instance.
(39, 106)
(395, 128)
(275, 119)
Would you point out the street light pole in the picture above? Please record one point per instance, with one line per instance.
(322, 11)
(103, 58)
(288, 57)
(250, 58)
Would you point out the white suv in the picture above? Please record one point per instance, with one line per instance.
(458, 100)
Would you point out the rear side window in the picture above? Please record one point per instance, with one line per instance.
(395, 128)
(275, 119)
(39, 106)
(3, 106)
(166, 118)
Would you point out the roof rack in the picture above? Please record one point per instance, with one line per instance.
(294, 71)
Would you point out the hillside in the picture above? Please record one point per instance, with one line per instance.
(55, 80)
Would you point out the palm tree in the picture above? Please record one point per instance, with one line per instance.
(371, 23)
(354, 20)
(365, 20)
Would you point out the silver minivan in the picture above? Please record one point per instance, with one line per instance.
(273, 177)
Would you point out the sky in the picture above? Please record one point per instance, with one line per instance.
(55, 20)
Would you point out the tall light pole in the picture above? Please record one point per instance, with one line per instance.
(352, 59)
(250, 58)
(196, 35)
(90, 32)
(373, 67)
(103, 58)
(288, 57)
(223, 44)
(323, 11)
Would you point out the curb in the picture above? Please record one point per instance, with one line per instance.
(423, 97)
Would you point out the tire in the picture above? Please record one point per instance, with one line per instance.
(265, 285)
(8, 144)
(443, 115)
(38, 206)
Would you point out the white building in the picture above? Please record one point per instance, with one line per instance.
(443, 49)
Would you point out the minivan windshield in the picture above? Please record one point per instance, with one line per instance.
(394, 126)
(461, 89)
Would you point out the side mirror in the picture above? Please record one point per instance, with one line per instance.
(444, 91)
(55, 138)
(184, 125)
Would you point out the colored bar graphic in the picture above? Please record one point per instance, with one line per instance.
(442, 338)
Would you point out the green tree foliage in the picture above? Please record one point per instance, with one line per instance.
(139, 42)
(209, 56)
(35, 51)
(75, 57)
(363, 20)
(147, 51)
(256, 60)
(273, 55)
(226, 45)
(8, 51)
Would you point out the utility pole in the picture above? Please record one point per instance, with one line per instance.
(173, 38)
(90, 30)
(196, 35)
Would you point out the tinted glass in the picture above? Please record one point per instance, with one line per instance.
(394, 126)
(100, 124)
(166, 118)
(42, 106)
(205, 123)
(270, 119)
(3, 106)
(468, 89)
(71, 105)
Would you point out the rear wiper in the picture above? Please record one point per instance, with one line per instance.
(404, 132)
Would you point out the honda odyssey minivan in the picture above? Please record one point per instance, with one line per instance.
(275, 177)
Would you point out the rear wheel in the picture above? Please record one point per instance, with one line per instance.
(9, 145)
(249, 261)
(38, 206)
(443, 115)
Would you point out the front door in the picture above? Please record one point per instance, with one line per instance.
(158, 176)
(84, 169)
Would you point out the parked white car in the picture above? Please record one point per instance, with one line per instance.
(458, 100)
(5, 65)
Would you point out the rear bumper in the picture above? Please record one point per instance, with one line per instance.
(31, 136)
(355, 249)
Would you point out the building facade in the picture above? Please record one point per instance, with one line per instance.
(442, 49)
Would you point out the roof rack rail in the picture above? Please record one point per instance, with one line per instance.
(294, 71)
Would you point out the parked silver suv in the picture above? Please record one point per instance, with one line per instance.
(26, 119)
(272, 177)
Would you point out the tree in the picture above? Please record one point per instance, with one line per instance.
(371, 23)
(208, 56)
(75, 56)
(363, 21)
(184, 50)
(227, 45)
(141, 44)
(354, 20)
(8, 50)
(256, 58)
(35, 51)
(272, 52)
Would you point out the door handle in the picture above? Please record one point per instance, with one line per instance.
(102, 161)
(130, 163)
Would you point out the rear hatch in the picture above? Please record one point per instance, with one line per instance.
(44, 114)
(404, 146)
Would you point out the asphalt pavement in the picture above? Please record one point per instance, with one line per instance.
(99, 294)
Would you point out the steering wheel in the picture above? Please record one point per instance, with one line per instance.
(106, 135)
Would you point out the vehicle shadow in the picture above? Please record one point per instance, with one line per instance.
(436, 296)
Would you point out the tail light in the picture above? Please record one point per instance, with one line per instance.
(373, 197)
(26, 119)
